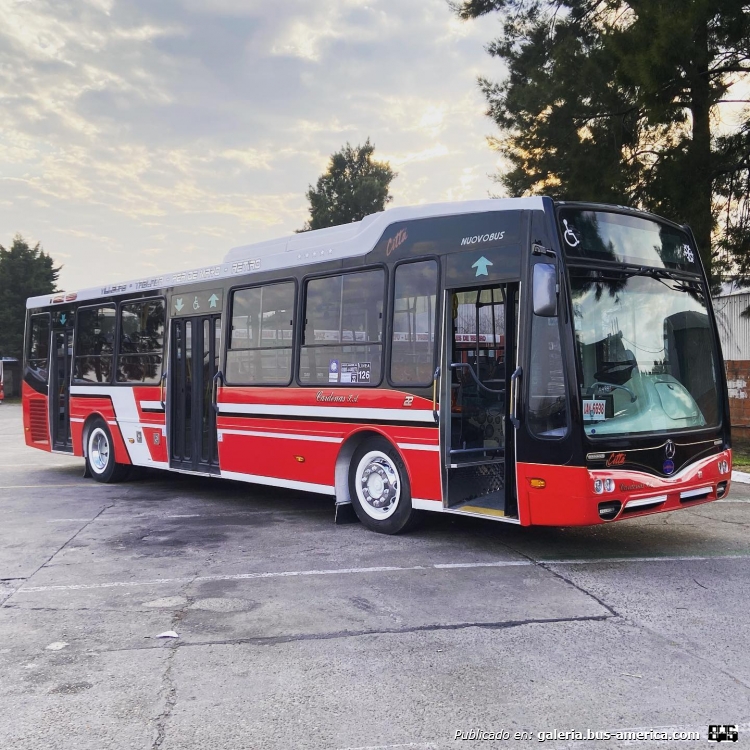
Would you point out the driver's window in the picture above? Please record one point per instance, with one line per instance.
(547, 411)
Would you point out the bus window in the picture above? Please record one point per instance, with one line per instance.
(548, 405)
(37, 352)
(95, 336)
(139, 357)
(343, 341)
(260, 343)
(413, 339)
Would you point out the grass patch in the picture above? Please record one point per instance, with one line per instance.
(740, 453)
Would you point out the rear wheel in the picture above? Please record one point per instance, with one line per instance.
(379, 488)
(100, 455)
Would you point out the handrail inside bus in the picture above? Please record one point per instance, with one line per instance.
(480, 384)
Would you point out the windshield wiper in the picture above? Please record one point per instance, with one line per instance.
(661, 274)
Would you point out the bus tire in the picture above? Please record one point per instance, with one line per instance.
(100, 455)
(379, 488)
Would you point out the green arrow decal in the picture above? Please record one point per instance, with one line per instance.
(481, 266)
(179, 304)
(213, 299)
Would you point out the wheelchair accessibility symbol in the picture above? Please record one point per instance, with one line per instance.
(570, 235)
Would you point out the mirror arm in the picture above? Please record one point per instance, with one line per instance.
(539, 249)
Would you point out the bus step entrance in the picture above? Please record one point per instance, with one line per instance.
(489, 505)
(478, 488)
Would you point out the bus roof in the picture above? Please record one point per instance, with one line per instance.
(346, 241)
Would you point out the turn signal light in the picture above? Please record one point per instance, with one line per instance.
(538, 484)
(301, 459)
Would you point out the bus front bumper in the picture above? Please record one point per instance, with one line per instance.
(567, 496)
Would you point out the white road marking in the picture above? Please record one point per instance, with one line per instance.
(666, 558)
(360, 571)
(43, 486)
(39, 465)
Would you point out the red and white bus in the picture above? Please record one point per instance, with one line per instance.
(531, 362)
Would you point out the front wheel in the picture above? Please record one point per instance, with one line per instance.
(100, 455)
(379, 488)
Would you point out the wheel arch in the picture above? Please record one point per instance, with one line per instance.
(344, 457)
(122, 455)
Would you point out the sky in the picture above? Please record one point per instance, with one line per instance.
(140, 136)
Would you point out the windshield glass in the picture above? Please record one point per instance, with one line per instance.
(646, 352)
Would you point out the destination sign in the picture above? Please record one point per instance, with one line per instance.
(203, 302)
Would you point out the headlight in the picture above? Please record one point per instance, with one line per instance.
(609, 485)
(598, 486)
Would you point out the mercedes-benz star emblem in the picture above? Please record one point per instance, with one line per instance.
(669, 449)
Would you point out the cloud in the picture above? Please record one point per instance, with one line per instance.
(139, 133)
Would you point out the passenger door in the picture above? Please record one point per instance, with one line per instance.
(193, 376)
(478, 370)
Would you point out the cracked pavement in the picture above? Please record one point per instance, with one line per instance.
(295, 633)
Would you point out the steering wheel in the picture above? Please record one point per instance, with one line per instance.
(633, 395)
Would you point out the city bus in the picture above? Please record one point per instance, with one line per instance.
(520, 360)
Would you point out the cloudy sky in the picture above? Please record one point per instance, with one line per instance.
(142, 136)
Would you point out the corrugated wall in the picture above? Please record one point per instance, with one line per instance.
(734, 330)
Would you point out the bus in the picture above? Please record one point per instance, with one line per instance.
(521, 360)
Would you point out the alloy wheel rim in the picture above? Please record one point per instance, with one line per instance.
(99, 450)
(378, 485)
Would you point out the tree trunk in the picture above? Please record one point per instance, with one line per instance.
(699, 213)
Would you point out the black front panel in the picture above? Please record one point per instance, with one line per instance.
(659, 457)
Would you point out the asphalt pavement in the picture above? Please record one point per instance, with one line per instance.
(296, 633)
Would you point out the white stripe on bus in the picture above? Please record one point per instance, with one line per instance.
(338, 412)
(418, 447)
(152, 405)
(283, 435)
(292, 484)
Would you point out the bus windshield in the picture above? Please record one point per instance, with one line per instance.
(646, 352)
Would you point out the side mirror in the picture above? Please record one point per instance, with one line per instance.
(544, 290)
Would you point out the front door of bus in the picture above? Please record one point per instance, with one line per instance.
(479, 364)
(193, 370)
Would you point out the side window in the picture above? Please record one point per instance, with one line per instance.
(343, 337)
(95, 338)
(139, 358)
(414, 315)
(548, 405)
(37, 348)
(260, 343)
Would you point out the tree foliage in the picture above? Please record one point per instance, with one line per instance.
(353, 186)
(621, 102)
(25, 271)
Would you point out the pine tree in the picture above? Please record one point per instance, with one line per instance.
(618, 102)
(24, 272)
(353, 186)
